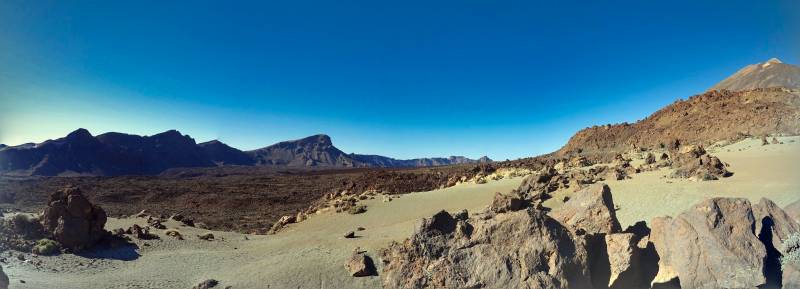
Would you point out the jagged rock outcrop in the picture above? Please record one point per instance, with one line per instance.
(589, 211)
(711, 245)
(695, 163)
(521, 249)
(72, 220)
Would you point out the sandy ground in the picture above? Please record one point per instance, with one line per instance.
(311, 254)
(771, 171)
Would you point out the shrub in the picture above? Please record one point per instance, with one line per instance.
(26, 225)
(46, 247)
(357, 209)
(791, 249)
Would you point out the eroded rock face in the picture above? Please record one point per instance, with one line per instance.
(711, 245)
(72, 220)
(590, 210)
(521, 249)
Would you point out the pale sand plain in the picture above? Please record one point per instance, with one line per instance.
(311, 254)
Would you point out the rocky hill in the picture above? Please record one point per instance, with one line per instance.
(716, 115)
(113, 154)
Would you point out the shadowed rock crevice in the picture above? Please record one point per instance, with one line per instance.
(772, 261)
(598, 260)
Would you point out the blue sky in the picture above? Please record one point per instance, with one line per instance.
(405, 79)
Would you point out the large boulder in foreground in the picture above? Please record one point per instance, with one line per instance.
(520, 249)
(590, 210)
(72, 220)
(711, 245)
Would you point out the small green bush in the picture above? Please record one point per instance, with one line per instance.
(791, 249)
(46, 247)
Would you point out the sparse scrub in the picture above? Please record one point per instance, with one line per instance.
(357, 209)
(791, 249)
(46, 247)
(26, 225)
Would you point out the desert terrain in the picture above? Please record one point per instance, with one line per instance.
(311, 254)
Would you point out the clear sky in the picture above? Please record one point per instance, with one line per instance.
(404, 79)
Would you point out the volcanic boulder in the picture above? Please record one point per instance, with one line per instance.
(590, 210)
(521, 249)
(506, 203)
(72, 220)
(360, 265)
(711, 245)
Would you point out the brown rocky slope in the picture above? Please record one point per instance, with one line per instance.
(701, 119)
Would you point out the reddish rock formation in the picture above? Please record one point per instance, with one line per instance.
(72, 220)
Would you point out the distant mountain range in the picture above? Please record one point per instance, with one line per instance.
(111, 154)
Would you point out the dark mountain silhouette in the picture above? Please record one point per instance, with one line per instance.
(111, 154)
(316, 150)
(222, 154)
(107, 154)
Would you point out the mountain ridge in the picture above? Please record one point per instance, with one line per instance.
(114, 153)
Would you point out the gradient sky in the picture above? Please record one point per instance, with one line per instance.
(404, 79)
